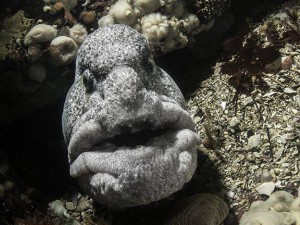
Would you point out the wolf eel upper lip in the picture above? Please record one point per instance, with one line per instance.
(91, 133)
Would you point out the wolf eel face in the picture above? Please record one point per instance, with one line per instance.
(130, 141)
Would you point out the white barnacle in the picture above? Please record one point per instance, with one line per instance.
(40, 33)
(122, 12)
(155, 27)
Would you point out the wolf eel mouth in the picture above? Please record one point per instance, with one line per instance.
(173, 124)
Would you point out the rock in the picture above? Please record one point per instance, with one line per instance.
(234, 122)
(70, 206)
(266, 176)
(253, 142)
(266, 188)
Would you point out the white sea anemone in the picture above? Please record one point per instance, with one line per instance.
(62, 50)
(190, 22)
(78, 33)
(122, 12)
(147, 5)
(155, 27)
(105, 21)
(40, 33)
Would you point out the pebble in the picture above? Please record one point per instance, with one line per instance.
(234, 122)
(266, 176)
(289, 91)
(266, 188)
(253, 142)
(230, 194)
(250, 157)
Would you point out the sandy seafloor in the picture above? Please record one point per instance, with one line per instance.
(33, 154)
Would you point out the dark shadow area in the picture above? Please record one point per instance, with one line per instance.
(35, 149)
(187, 71)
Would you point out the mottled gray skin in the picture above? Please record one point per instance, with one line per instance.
(118, 98)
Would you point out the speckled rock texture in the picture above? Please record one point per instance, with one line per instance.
(130, 139)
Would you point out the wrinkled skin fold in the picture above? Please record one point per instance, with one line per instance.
(130, 139)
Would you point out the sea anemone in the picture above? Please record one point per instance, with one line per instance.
(62, 50)
(40, 33)
(78, 33)
(123, 13)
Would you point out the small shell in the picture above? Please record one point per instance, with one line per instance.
(199, 209)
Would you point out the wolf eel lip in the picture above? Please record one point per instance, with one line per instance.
(91, 137)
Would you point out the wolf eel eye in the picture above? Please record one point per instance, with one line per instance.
(88, 81)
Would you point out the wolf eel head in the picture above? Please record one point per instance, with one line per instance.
(130, 140)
